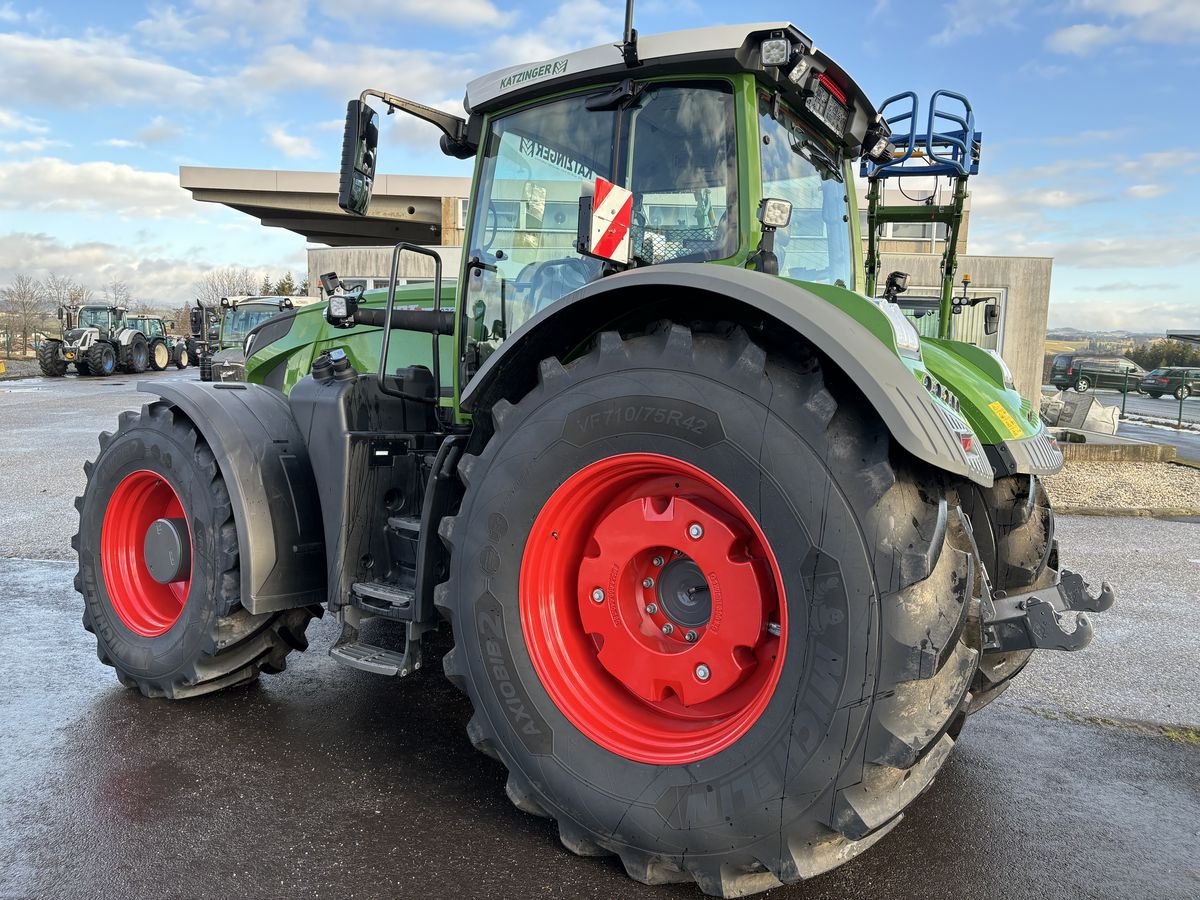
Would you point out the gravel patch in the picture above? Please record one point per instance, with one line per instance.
(1125, 487)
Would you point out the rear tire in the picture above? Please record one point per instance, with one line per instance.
(101, 360)
(182, 639)
(135, 356)
(878, 592)
(50, 359)
(1013, 525)
(160, 355)
(1154, 394)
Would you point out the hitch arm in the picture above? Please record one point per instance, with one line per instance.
(1034, 620)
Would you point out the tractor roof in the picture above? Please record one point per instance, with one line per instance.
(718, 49)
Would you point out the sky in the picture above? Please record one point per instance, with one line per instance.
(1086, 156)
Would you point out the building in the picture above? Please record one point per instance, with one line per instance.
(432, 211)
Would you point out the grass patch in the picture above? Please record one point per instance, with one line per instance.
(1181, 734)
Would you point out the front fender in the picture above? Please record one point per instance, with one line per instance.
(264, 462)
(915, 420)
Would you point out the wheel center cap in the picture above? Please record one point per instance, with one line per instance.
(167, 550)
(684, 593)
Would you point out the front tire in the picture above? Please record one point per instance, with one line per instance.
(101, 359)
(50, 359)
(182, 360)
(186, 635)
(1013, 524)
(1182, 392)
(160, 356)
(841, 663)
(1082, 384)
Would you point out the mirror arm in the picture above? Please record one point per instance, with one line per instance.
(452, 126)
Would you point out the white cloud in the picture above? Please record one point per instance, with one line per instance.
(1081, 40)
(33, 145)
(121, 143)
(1146, 191)
(570, 26)
(159, 131)
(1145, 313)
(467, 13)
(206, 22)
(151, 271)
(92, 71)
(1169, 21)
(101, 188)
(9, 14)
(291, 145)
(11, 121)
(1115, 287)
(966, 18)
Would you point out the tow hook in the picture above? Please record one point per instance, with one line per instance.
(1035, 620)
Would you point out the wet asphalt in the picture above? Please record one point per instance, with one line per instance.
(328, 782)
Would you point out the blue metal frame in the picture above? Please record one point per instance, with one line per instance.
(952, 152)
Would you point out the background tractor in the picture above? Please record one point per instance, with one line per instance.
(164, 348)
(716, 534)
(98, 340)
(239, 316)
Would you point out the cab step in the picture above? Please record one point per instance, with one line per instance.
(369, 658)
(388, 601)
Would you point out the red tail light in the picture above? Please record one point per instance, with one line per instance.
(1162, 380)
(1070, 370)
(833, 87)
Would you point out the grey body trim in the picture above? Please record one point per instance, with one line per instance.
(1035, 455)
(908, 410)
(264, 461)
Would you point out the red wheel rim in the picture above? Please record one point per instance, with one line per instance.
(144, 605)
(612, 560)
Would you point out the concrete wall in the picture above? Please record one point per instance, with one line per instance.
(1026, 279)
(375, 262)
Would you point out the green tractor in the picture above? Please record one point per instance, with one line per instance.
(98, 340)
(727, 552)
(239, 316)
(165, 349)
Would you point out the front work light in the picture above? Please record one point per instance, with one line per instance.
(774, 213)
(775, 51)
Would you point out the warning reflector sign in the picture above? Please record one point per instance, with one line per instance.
(612, 214)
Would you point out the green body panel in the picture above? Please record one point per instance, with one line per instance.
(976, 378)
(310, 336)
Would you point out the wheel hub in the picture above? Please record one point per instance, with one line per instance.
(146, 553)
(651, 606)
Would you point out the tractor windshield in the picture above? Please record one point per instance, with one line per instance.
(816, 244)
(94, 317)
(673, 145)
(240, 321)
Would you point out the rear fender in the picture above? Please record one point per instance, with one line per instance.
(916, 422)
(266, 468)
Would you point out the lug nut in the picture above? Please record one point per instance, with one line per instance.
(652, 608)
(677, 553)
(597, 596)
(658, 561)
(647, 582)
(668, 628)
(702, 672)
(774, 628)
(690, 637)
(695, 531)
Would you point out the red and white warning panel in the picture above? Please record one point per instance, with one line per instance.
(612, 214)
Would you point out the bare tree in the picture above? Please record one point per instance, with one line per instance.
(117, 293)
(79, 295)
(24, 304)
(230, 281)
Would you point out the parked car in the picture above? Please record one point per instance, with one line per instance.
(1180, 383)
(1070, 370)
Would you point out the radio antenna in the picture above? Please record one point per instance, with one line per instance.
(629, 44)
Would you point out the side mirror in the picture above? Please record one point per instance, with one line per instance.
(60, 314)
(196, 321)
(359, 143)
(991, 318)
(169, 325)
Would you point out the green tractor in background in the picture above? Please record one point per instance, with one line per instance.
(728, 553)
(240, 316)
(97, 339)
(164, 349)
